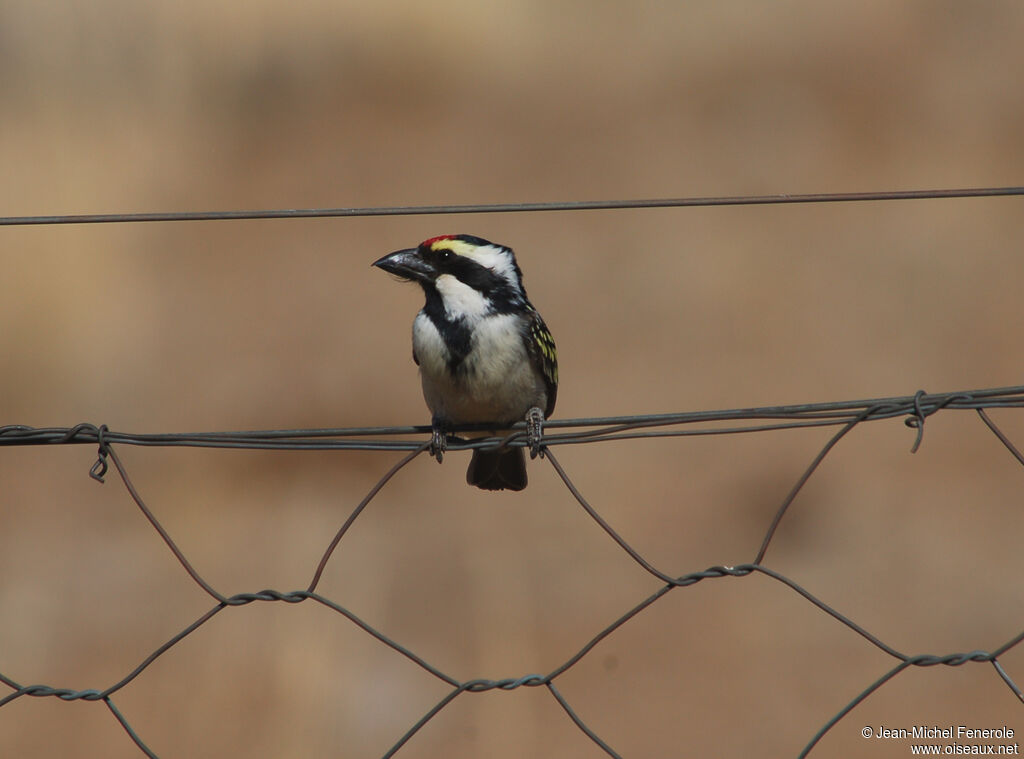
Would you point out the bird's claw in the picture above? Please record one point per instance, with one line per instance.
(438, 443)
(535, 431)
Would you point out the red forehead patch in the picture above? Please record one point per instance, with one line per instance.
(432, 240)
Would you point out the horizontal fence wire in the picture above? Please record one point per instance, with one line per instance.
(845, 415)
(581, 430)
(522, 207)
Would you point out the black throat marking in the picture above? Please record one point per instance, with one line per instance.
(456, 333)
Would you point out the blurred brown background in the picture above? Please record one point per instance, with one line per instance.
(119, 106)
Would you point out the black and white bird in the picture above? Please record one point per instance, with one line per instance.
(484, 353)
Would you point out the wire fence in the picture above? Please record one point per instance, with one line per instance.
(844, 416)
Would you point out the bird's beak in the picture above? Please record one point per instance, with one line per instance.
(407, 264)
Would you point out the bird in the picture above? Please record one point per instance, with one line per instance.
(484, 353)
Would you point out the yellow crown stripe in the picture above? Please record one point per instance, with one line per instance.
(459, 247)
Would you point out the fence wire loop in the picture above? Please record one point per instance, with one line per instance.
(99, 468)
(923, 410)
(846, 415)
(71, 436)
(917, 420)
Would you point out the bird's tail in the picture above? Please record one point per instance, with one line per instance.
(501, 469)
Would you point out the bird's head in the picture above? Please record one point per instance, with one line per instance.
(466, 271)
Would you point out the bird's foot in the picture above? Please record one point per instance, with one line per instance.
(438, 442)
(535, 431)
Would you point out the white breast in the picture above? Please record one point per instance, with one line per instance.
(497, 382)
